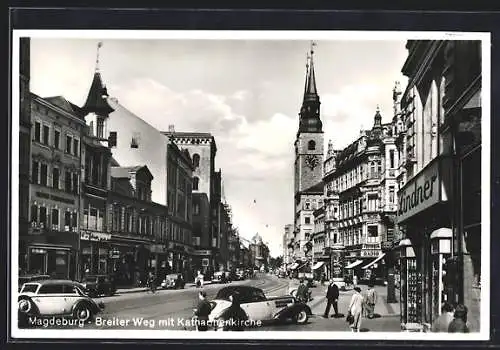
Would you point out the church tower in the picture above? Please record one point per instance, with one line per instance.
(309, 191)
(309, 140)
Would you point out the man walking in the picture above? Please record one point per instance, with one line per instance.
(202, 312)
(302, 292)
(332, 297)
(370, 301)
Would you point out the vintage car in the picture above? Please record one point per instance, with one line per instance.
(56, 298)
(258, 307)
(221, 277)
(173, 281)
(96, 285)
(30, 278)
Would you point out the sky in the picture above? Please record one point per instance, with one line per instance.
(247, 93)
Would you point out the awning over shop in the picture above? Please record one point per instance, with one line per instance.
(354, 264)
(374, 261)
(318, 265)
(294, 266)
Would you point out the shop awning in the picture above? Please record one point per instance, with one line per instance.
(318, 265)
(374, 261)
(294, 266)
(354, 264)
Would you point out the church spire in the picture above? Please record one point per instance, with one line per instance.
(311, 93)
(96, 98)
(309, 113)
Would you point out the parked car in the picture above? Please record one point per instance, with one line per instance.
(282, 274)
(96, 285)
(260, 307)
(56, 298)
(173, 281)
(221, 277)
(30, 278)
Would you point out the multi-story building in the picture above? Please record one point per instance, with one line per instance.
(206, 197)
(234, 249)
(320, 242)
(52, 243)
(245, 256)
(334, 246)
(96, 160)
(288, 245)
(308, 168)
(259, 252)
(24, 149)
(363, 180)
(439, 140)
(138, 227)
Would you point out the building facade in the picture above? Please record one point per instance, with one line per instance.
(24, 150)
(52, 243)
(440, 144)
(259, 253)
(206, 196)
(308, 168)
(288, 245)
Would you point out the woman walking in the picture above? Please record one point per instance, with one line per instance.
(356, 309)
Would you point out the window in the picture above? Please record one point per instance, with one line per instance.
(100, 220)
(55, 219)
(74, 220)
(100, 127)
(68, 144)
(196, 209)
(372, 202)
(373, 231)
(311, 145)
(92, 219)
(46, 131)
(57, 139)
(34, 172)
(196, 181)
(391, 194)
(37, 131)
(307, 220)
(373, 169)
(76, 150)
(391, 158)
(43, 216)
(55, 178)
(34, 213)
(67, 220)
(43, 174)
(116, 218)
(75, 183)
(196, 160)
(51, 289)
(128, 221)
(308, 205)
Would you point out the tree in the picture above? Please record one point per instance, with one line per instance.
(275, 263)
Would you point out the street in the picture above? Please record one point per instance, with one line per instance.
(173, 309)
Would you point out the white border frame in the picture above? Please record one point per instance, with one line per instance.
(483, 334)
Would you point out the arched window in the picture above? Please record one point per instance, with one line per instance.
(311, 146)
(196, 182)
(196, 160)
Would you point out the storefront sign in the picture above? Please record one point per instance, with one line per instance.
(370, 253)
(94, 236)
(38, 251)
(420, 193)
(202, 252)
(55, 198)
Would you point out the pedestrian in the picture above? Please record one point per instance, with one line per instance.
(234, 317)
(355, 280)
(202, 312)
(355, 309)
(332, 297)
(459, 322)
(370, 300)
(302, 292)
(442, 323)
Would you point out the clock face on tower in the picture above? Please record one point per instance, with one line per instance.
(312, 161)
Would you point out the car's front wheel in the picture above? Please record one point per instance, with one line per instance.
(301, 317)
(83, 313)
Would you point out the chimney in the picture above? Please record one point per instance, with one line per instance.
(171, 128)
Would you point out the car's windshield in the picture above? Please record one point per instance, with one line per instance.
(224, 293)
(29, 288)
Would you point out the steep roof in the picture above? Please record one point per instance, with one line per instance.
(319, 187)
(96, 99)
(124, 172)
(65, 105)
